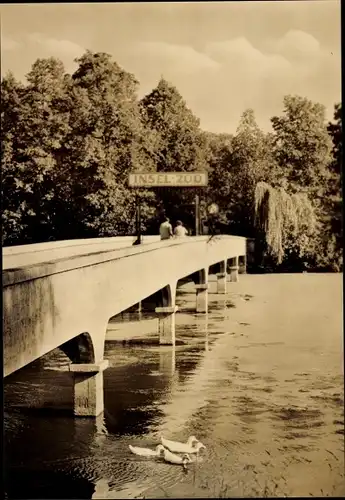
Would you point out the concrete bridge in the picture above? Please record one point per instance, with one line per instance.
(62, 294)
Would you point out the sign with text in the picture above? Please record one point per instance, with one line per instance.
(168, 179)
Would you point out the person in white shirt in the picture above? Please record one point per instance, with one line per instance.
(180, 230)
(165, 229)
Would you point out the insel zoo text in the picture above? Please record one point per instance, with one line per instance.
(179, 179)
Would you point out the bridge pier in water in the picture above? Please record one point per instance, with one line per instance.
(201, 290)
(88, 388)
(233, 269)
(201, 298)
(166, 315)
(166, 324)
(86, 352)
(242, 264)
(221, 278)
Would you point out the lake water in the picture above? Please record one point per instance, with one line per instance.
(259, 380)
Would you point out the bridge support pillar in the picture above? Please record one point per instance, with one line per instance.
(242, 264)
(234, 267)
(221, 283)
(88, 388)
(222, 277)
(201, 298)
(166, 324)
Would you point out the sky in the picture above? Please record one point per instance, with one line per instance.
(223, 57)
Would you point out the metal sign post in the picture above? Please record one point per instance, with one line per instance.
(197, 215)
(137, 219)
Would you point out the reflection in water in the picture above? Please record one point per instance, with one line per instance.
(266, 412)
(186, 399)
(223, 303)
(167, 360)
(204, 330)
(86, 428)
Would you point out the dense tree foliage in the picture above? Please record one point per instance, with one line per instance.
(180, 145)
(334, 196)
(12, 187)
(107, 140)
(336, 131)
(302, 145)
(68, 143)
(303, 150)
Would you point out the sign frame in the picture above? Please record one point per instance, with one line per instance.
(167, 179)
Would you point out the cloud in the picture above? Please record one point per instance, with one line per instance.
(297, 44)
(8, 43)
(259, 77)
(57, 47)
(33, 46)
(224, 77)
(243, 56)
(219, 79)
(176, 58)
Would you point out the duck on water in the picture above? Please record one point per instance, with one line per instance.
(193, 445)
(147, 452)
(169, 449)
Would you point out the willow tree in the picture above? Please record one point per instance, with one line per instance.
(286, 223)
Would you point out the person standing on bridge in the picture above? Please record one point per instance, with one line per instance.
(165, 229)
(180, 231)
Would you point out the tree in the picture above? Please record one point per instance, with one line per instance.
(13, 205)
(302, 145)
(107, 140)
(180, 145)
(251, 162)
(333, 200)
(74, 142)
(44, 128)
(303, 148)
(40, 125)
(236, 169)
(220, 149)
(285, 224)
(336, 132)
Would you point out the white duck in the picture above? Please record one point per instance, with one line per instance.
(192, 445)
(146, 452)
(176, 459)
